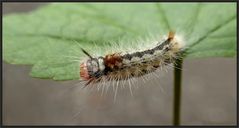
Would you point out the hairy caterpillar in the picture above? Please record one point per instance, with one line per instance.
(118, 66)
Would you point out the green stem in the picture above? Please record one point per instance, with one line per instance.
(177, 92)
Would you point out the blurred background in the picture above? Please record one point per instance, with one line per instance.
(208, 95)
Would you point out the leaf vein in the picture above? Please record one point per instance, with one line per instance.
(162, 11)
(211, 31)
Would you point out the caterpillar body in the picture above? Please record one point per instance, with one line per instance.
(118, 66)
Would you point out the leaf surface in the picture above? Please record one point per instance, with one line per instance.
(47, 37)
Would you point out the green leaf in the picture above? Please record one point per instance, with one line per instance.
(45, 37)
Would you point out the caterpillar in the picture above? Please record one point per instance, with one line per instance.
(118, 66)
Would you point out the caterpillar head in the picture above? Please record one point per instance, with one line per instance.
(92, 68)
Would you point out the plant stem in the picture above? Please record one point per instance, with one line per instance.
(177, 92)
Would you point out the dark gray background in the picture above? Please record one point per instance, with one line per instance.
(209, 96)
